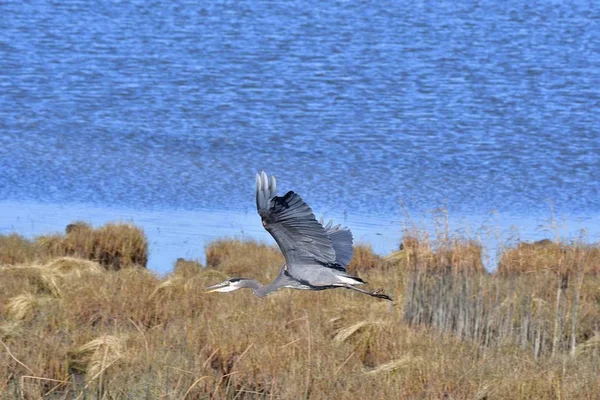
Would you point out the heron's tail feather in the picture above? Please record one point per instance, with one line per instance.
(341, 241)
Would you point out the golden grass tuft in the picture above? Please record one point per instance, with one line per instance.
(411, 249)
(348, 332)
(187, 267)
(96, 356)
(545, 255)
(395, 365)
(15, 249)
(73, 266)
(461, 255)
(456, 254)
(244, 258)
(169, 287)
(24, 306)
(40, 280)
(121, 245)
(47, 281)
(365, 259)
(114, 246)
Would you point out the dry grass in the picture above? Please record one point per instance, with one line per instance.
(72, 265)
(15, 249)
(461, 255)
(365, 259)
(114, 246)
(244, 259)
(524, 311)
(544, 255)
(69, 328)
(187, 268)
(456, 254)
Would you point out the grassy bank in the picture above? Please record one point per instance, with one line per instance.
(70, 326)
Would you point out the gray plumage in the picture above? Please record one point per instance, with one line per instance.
(316, 255)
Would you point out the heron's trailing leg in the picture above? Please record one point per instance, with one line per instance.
(376, 293)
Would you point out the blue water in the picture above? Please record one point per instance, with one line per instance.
(145, 111)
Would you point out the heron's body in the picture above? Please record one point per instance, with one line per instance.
(316, 255)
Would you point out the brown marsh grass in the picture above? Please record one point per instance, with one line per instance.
(114, 246)
(231, 256)
(15, 249)
(365, 259)
(545, 255)
(72, 329)
(455, 253)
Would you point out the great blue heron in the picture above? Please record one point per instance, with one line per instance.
(316, 256)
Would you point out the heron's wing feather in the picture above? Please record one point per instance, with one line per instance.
(284, 280)
(292, 224)
(341, 240)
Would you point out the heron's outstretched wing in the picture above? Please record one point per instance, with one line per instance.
(292, 224)
(341, 241)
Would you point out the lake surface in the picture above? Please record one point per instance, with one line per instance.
(161, 113)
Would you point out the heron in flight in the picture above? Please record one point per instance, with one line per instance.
(316, 255)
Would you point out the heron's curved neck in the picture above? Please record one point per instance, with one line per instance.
(258, 288)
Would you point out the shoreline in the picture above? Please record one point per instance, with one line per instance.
(174, 234)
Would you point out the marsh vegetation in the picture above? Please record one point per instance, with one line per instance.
(75, 323)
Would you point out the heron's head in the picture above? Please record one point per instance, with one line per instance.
(229, 285)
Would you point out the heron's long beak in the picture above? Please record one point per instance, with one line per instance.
(216, 287)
